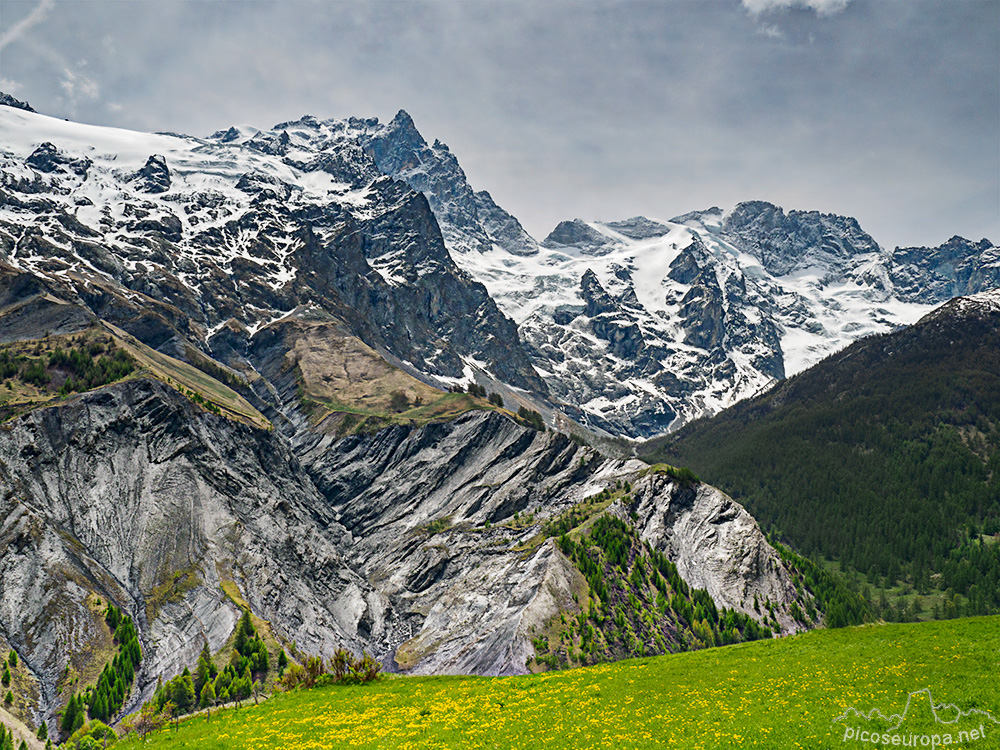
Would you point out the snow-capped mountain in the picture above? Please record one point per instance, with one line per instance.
(205, 241)
(632, 327)
(646, 324)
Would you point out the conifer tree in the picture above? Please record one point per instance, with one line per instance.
(282, 661)
(183, 693)
(208, 695)
(203, 672)
(6, 676)
(244, 630)
(43, 731)
(69, 714)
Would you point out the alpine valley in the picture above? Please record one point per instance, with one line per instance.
(310, 374)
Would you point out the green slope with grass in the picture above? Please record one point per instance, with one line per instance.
(783, 694)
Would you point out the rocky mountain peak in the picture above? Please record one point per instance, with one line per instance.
(9, 101)
(398, 146)
(249, 232)
(799, 239)
(154, 177)
(402, 124)
(503, 229)
(639, 228)
(936, 274)
(579, 234)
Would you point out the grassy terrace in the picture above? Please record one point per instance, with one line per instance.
(783, 693)
(346, 418)
(190, 381)
(47, 371)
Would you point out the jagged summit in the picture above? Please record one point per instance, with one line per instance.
(957, 267)
(798, 240)
(9, 101)
(402, 123)
(249, 225)
(711, 306)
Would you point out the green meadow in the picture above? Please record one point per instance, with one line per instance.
(787, 693)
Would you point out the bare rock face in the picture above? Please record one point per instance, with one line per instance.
(48, 158)
(9, 101)
(715, 543)
(423, 546)
(431, 513)
(132, 494)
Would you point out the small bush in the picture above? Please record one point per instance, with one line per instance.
(531, 418)
(292, 677)
(35, 374)
(398, 401)
(343, 668)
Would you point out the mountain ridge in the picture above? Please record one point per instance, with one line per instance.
(710, 307)
(755, 294)
(299, 269)
(895, 438)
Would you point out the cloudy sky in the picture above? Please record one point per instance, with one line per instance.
(887, 110)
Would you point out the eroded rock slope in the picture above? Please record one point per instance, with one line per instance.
(421, 545)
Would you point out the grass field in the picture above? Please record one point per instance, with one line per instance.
(768, 694)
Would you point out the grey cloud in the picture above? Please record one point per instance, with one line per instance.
(822, 7)
(889, 110)
(36, 16)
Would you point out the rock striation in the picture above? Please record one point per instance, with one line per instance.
(402, 543)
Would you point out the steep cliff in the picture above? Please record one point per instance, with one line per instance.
(422, 545)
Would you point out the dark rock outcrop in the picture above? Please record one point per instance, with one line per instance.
(154, 177)
(48, 158)
(937, 274)
(9, 101)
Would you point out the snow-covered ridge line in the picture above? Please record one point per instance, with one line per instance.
(636, 326)
(696, 312)
(246, 225)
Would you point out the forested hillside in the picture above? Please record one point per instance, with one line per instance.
(884, 457)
